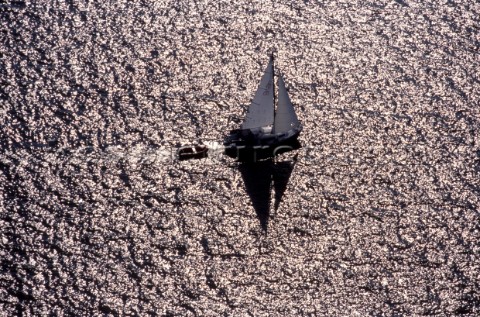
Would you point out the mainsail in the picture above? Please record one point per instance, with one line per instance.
(261, 111)
(285, 117)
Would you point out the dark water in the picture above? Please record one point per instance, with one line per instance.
(376, 215)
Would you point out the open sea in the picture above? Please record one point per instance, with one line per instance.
(377, 214)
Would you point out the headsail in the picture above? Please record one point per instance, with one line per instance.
(261, 111)
(285, 117)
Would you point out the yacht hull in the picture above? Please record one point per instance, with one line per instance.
(260, 148)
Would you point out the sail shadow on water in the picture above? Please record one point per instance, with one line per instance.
(280, 177)
(259, 179)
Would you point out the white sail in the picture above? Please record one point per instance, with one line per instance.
(261, 111)
(285, 117)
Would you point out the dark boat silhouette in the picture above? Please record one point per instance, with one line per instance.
(266, 131)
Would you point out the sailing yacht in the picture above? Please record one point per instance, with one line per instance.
(266, 130)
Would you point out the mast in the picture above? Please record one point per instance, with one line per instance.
(273, 77)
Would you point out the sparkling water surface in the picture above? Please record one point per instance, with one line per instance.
(376, 215)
